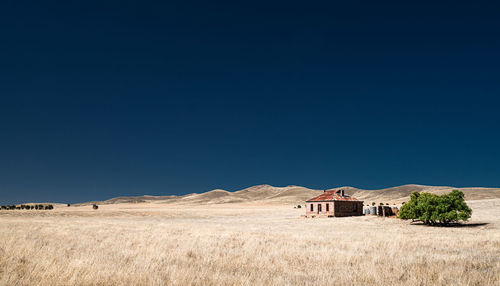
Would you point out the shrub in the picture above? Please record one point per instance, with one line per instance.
(94, 206)
(432, 209)
(68, 205)
(373, 203)
(299, 206)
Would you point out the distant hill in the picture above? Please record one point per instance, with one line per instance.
(402, 193)
(267, 194)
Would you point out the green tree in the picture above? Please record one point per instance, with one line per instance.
(409, 209)
(433, 209)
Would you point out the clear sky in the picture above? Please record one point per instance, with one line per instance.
(108, 98)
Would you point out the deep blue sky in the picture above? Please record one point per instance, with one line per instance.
(107, 98)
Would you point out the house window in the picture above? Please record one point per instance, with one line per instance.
(312, 206)
(355, 207)
(319, 208)
(327, 207)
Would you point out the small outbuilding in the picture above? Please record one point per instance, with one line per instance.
(333, 203)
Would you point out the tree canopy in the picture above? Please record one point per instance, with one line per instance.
(434, 209)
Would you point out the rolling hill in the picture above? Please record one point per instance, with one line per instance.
(266, 194)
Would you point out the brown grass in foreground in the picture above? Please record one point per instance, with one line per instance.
(148, 244)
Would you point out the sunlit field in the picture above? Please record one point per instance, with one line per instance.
(231, 244)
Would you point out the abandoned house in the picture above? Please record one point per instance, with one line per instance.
(333, 203)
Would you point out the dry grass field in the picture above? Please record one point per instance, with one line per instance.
(242, 244)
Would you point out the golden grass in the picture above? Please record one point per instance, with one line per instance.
(154, 244)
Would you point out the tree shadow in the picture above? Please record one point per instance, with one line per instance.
(454, 225)
(468, 224)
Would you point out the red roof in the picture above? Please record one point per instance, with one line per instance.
(332, 195)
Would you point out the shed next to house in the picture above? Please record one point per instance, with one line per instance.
(333, 203)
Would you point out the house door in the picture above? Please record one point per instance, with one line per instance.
(319, 208)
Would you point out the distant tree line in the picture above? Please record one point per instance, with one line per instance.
(433, 209)
(27, 207)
